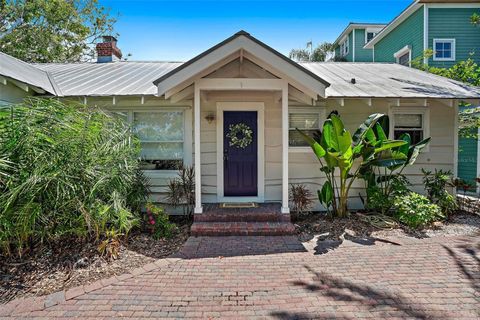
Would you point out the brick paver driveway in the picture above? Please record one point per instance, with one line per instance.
(277, 277)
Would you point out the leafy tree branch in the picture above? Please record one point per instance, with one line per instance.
(53, 30)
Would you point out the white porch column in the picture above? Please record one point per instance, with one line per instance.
(198, 167)
(285, 208)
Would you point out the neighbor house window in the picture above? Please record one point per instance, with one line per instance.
(162, 139)
(415, 122)
(309, 121)
(444, 49)
(404, 56)
(369, 36)
(344, 47)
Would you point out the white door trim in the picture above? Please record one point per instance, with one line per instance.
(242, 106)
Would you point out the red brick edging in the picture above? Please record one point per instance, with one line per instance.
(25, 305)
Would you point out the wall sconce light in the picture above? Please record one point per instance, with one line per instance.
(210, 117)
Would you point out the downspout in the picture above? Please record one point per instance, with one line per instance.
(373, 54)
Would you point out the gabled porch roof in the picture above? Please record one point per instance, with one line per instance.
(241, 44)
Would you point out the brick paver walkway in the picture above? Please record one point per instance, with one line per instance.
(277, 277)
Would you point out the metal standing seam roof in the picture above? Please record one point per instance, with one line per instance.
(372, 80)
(16, 69)
(388, 80)
(107, 79)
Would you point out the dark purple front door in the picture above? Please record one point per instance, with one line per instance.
(240, 164)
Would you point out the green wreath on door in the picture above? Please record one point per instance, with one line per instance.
(240, 135)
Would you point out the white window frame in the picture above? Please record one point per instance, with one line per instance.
(344, 47)
(320, 111)
(375, 31)
(401, 52)
(424, 111)
(187, 134)
(453, 48)
(366, 35)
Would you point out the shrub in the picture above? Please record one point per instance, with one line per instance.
(436, 184)
(69, 170)
(415, 210)
(158, 222)
(181, 190)
(301, 198)
(378, 201)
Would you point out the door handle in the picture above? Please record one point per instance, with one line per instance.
(225, 156)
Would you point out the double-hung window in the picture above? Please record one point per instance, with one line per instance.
(344, 47)
(444, 49)
(308, 120)
(162, 135)
(414, 121)
(369, 36)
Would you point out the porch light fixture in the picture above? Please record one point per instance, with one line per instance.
(210, 117)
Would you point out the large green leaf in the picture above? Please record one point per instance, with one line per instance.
(316, 147)
(370, 137)
(390, 144)
(404, 149)
(415, 150)
(325, 196)
(389, 162)
(388, 158)
(367, 124)
(342, 136)
(381, 135)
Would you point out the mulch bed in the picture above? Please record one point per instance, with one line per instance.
(313, 224)
(71, 263)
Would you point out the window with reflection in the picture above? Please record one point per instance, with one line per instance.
(162, 137)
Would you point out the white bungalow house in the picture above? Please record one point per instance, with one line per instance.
(183, 112)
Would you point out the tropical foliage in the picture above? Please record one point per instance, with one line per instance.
(67, 171)
(301, 198)
(321, 53)
(52, 30)
(157, 221)
(383, 174)
(181, 190)
(337, 150)
(416, 211)
(436, 184)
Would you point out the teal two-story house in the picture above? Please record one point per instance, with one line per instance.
(441, 26)
(349, 46)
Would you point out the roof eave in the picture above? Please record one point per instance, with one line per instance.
(224, 46)
(393, 24)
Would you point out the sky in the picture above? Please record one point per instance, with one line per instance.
(179, 30)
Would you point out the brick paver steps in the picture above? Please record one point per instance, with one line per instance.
(264, 220)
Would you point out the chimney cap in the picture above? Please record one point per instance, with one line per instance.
(109, 39)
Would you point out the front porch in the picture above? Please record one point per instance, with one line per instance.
(241, 82)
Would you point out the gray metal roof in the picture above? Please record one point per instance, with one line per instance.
(107, 79)
(372, 80)
(387, 80)
(15, 69)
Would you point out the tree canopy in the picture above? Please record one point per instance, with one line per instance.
(309, 54)
(52, 30)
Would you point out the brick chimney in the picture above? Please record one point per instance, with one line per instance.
(107, 50)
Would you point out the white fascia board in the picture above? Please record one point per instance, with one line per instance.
(352, 26)
(392, 25)
(454, 5)
(267, 57)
